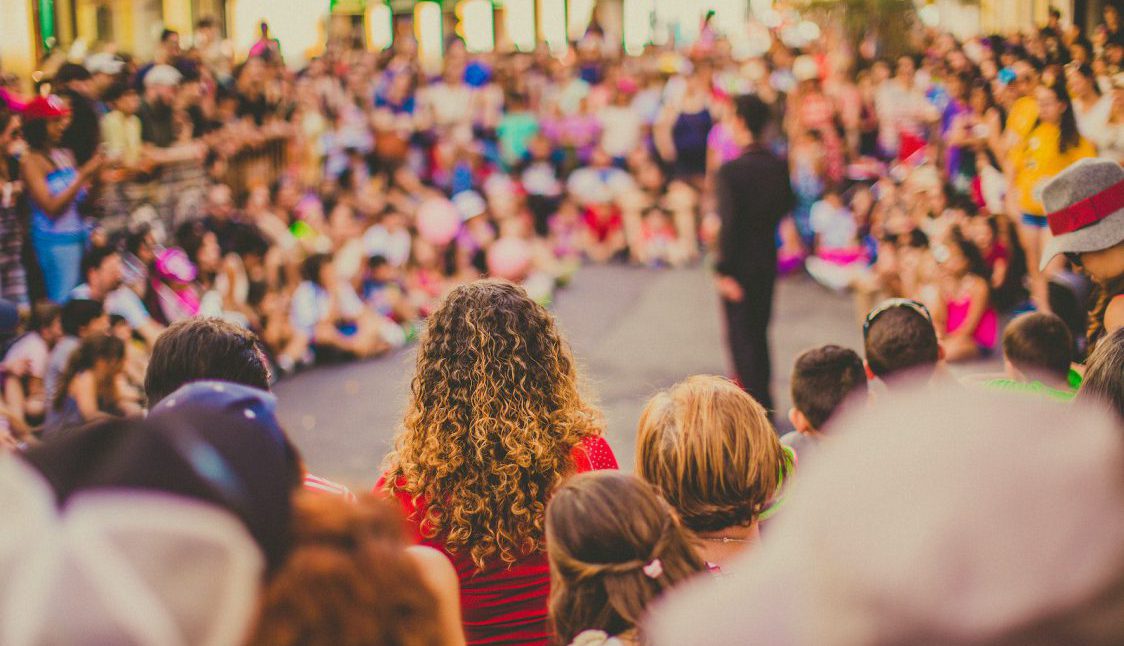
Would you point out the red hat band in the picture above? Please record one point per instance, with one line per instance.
(1090, 210)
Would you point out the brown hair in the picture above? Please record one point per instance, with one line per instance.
(204, 348)
(1104, 373)
(494, 415)
(347, 582)
(1040, 345)
(710, 450)
(614, 547)
(823, 379)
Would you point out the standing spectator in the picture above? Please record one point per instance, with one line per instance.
(615, 547)
(75, 85)
(55, 187)
(495, 394)
(1051, 146)
(13, 276)
(753, 195)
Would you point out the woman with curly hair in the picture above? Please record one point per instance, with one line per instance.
(615, 546)
(495, 422)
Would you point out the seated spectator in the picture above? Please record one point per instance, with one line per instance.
(25, 368)
(81, 319)
(382, 592)
(899, 341)
(213, 350)
(925, 507)
(970, 323)
(615, 547)
(102, 274)
(89, 390)
(687, 436)
(1104, 374)
(329, 312)
(823, 380)
(1037, 349)
(495, 394)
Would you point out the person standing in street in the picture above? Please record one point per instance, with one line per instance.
(753, 193)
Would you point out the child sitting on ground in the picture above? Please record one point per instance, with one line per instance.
(1037, 349)
(823, 380)
(899, 341)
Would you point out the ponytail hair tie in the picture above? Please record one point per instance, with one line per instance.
(653, 569)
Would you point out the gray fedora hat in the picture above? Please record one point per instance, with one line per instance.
(1085, 208)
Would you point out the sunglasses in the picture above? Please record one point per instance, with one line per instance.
(894, 303)
(1074, 259)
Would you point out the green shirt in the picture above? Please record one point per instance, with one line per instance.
(1033, 388)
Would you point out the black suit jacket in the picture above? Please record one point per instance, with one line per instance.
(753, 194)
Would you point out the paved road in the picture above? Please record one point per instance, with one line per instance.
(633, 331)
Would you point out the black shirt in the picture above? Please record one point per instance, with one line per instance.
(158, 125)
(754, 193)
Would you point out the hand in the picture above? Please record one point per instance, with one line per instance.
(93, 165)
(730, 289)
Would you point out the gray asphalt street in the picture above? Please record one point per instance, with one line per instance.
(634, 331)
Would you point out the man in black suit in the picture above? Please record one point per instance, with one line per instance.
(753, 193)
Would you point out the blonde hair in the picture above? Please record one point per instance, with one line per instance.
(711, 451)
(494, 415)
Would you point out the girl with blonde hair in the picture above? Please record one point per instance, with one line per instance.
(495, 423)
(710, 450)
(615, 546)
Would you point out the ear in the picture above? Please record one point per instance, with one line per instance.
(799, 421)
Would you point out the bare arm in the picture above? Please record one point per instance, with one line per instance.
(440, 577)
(34, 171)
(84, 389)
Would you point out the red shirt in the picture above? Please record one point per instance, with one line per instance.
(502, 604)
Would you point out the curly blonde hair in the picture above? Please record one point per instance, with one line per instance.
(493, 417)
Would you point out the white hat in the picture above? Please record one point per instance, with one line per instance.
(162, 76)
(104, 63)
(121, 567)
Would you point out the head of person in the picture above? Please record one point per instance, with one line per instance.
(169, 45)
(1038, 347)
(83, 317)
(688, 438)
(752, 114)
(10, 131)
(123, 98)
(493, 416)
(319, 270)
(105, 68)
(160, 85)
(1055, 107)
(46, 320)
(45, 119)
(899, 340)
(203, 348)
(823, 380)
(614, 546)
(101, 267)
(371, 591)
(960, 257)
(1104, 374)
(101, 354)
(75, 78)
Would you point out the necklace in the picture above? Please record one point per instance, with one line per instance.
(724, 539)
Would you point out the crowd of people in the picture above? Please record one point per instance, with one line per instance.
(156, 498)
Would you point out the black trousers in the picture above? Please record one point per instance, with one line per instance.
(747, 334)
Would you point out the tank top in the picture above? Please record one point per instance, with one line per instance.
(58, 180)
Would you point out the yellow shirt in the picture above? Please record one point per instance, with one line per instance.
(1038, 159)
(122, 137)
(1023, 116)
